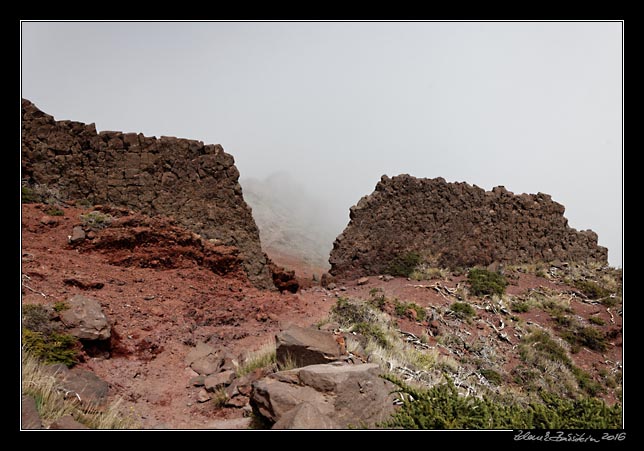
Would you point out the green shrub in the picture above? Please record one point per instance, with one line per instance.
(52, 348)
(441, 407)
(402, 309)
(519, 307)
(348, 313)
(29, 195)
(484, 282)
(590, 289)
(608, 301)
(55, 211)
(404, 265)
(492, 376)
(60, 306)
(462, 309)
(597, 320)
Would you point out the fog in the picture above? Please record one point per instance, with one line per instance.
(533, 106)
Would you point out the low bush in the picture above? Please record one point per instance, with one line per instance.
(591, 289)
(462, 310)
(441, 407)
(483, 282)
(404, 265)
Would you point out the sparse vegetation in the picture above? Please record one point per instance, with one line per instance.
(54, 211)
(60, 306)
(404, 265)
(52, 403)
(426, 272)
(219, 397)
(462, 310)
(492, 376)
(96, 220)
(441, 407)
(549, 364)
(29, 195)
(588, 336)
(591, 289)
(261, 358)
(405, 309)
(483, 282)
(520, 307)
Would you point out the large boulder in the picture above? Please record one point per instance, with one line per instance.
(339, 395)
(204, 359)
(85, 318)
(306, 346)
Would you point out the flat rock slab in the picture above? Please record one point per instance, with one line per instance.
(306, 346)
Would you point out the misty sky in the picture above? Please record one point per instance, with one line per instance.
(531, 106)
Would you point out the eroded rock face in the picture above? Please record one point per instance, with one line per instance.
(196, 184)
(456, 224)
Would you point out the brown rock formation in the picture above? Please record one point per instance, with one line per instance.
(456, 224)
(196, 184)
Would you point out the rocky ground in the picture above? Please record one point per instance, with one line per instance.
(164, 292)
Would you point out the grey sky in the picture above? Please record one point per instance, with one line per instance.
(531, 106)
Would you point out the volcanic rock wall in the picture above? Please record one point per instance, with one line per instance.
(456, 224)
(196, 184)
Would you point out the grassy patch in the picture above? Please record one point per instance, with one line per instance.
(591, 289)
(261, 358)
(373, 331)
(483, 282)
(549, 364)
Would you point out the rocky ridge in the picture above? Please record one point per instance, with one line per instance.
(456, 225)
